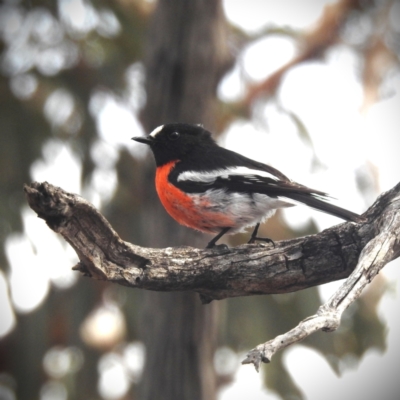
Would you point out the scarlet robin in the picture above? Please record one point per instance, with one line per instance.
(214, 190)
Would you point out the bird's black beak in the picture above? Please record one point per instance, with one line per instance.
(141, 139)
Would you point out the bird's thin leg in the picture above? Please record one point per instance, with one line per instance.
(254, 237)
(254, 234)
(212, 242)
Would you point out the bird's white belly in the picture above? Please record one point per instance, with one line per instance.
(242, 209)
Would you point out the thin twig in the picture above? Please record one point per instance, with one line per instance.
(375, 255)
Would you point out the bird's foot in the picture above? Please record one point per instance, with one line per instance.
(217, 246)
(253, 239)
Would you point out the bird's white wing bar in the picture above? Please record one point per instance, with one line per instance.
(211, 176)
(157, 130)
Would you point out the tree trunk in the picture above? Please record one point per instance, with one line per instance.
(185, 59)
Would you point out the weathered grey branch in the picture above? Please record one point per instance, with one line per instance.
(359, 250)
(381, 249)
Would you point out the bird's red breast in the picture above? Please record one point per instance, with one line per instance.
(193, 211)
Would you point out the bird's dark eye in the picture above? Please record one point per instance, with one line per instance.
(173, 135)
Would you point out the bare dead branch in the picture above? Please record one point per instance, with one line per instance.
(356, 251)
(244, 270)
(381, 249)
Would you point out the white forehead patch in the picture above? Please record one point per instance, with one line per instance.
(157, 130)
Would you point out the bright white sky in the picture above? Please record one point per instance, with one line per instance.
(344, 140)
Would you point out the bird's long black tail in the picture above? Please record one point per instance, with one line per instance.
(324, 206)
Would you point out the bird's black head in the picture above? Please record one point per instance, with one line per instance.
(177, 142)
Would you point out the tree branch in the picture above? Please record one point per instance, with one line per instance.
(357, 251)
(380, 250)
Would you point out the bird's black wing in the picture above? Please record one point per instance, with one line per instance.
(252, 178)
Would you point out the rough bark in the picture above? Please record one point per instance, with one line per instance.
(357, 251)
(381, 249)
(186, 54)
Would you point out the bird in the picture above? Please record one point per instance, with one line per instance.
(214, 190)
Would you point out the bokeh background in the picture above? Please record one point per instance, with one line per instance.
(310, 87)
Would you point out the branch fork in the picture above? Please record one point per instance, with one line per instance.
(349, 250)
